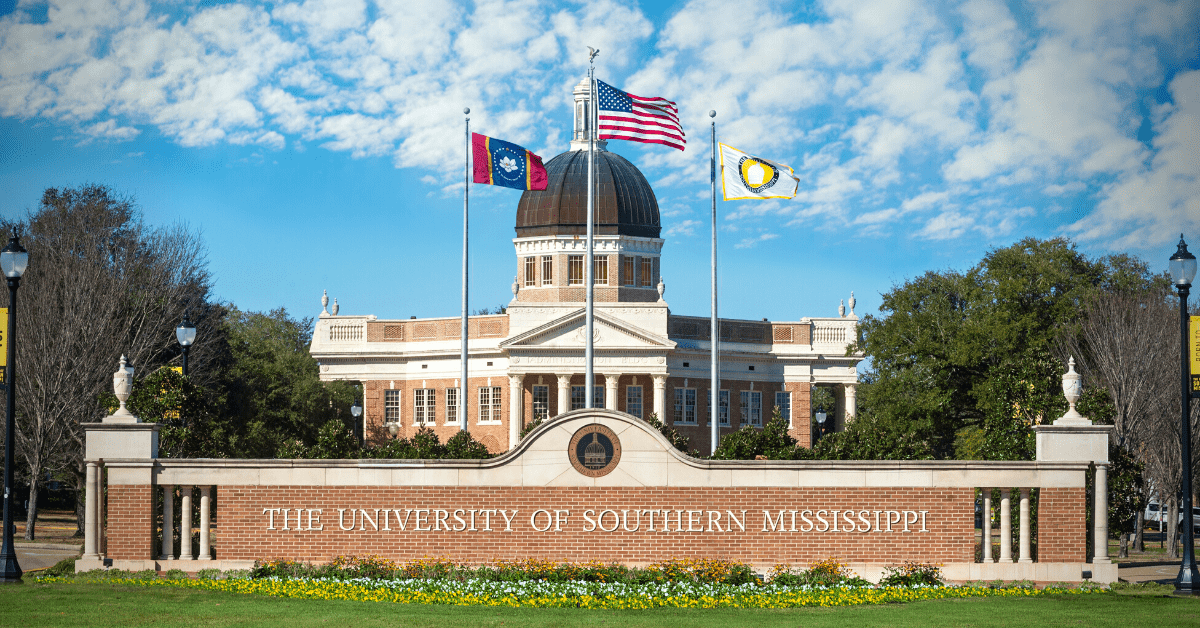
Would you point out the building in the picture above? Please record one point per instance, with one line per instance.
(528, 362)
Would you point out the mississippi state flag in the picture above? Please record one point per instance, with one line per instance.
(503, 163)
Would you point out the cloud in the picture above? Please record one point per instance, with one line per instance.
(682, 228)
(747, 243)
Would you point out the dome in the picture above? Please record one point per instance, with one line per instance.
(625, 203)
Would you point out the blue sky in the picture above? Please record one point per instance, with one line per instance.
(317, 145)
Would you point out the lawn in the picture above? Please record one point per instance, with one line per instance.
(106, 604)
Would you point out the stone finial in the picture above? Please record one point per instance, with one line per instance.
(1072, 384)
(842, 308)
(516, 287)
(334, 309)
(852, 302)
(122, 387)
(662, 287)
(324, 301)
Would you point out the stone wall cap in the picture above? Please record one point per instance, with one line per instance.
(1081, 428)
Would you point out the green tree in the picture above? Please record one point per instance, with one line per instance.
(771, 442)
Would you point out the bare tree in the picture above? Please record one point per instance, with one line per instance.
(100, 284)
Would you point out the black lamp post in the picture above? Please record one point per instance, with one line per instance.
(821, 417)
(1183, 270)
(186, 335)
(13, 260)
(359, 428)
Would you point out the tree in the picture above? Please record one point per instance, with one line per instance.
(100, 284)
(271, 394)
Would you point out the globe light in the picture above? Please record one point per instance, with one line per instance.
(1182, 265)
(14, 258)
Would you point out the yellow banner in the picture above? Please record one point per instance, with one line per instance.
(1194, 346)
(3, 337)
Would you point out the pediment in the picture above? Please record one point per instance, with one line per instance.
(568, 332)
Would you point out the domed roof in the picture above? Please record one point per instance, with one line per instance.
(625, 203)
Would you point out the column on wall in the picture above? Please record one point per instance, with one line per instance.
(1100, 516)
(185, 523)
(610, 390)
(205, 517)
(91, 525)
(516, 395)
(168, 525)
(660, 397)
(849, 402)
(564, 393)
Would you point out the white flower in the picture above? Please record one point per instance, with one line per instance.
(508, 163)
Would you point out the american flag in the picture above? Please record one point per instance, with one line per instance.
(627, 117)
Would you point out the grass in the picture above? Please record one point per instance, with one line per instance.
(106, 604)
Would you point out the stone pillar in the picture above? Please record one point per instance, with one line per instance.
(168, 526)
(986, 524)
(205, 515)
(1005, 526)
(185, 523)
(660, 398)
(610, 391)
(91, 522)
(1026, 554)
(849, 401)
(1101, 516)
(516, 417)
(564, 393)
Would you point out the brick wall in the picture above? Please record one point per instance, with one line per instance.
(1062, 525)
(131, 522)
(948, 524)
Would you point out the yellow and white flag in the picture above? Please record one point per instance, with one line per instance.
(746, 176)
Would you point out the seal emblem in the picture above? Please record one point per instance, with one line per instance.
(594, 451)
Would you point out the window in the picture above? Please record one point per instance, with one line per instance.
(547, 270)
(451, 406)
(575, 270)
(541, 403)
(424, 406)
(752, 408)
(531, 271)
(391, 406)
(577, 398)
(724, 401)
(685, 405)
(627, 269)
(783, 401)
(633, 400)
(489, 404)
(600, 270)
(647, 271)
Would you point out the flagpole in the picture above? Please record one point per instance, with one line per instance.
(462, 387)
(590, 263)
(714, 328)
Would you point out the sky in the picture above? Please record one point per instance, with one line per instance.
(318, 145)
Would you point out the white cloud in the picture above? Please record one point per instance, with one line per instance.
(682, 228)
(752, 242)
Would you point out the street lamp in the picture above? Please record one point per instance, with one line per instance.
(1183, 270)
(820, 424)
(186, 335)
(356, 411)
(13, 260)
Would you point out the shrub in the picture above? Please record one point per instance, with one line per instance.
(64, 567)
(679, 441)
(911, 573)
(829, 572)
(772, 442)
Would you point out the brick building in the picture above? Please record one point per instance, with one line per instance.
(528, 362)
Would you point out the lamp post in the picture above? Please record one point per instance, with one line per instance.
(13, 260)
(186, 335)
(1183, 270)
(356, 411)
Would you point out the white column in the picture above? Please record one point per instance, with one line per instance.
(987, 525)
(516, 418)
(185, 523)
(205, 515)
(610, 390)
(1101, 516)
(1005, 526)
(660, 398)
(1026, 554)
(168, 526)
(91, 514)
(564, 393)
(850, 401)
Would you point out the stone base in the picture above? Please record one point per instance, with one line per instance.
(189, 566)
(1105, 573)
